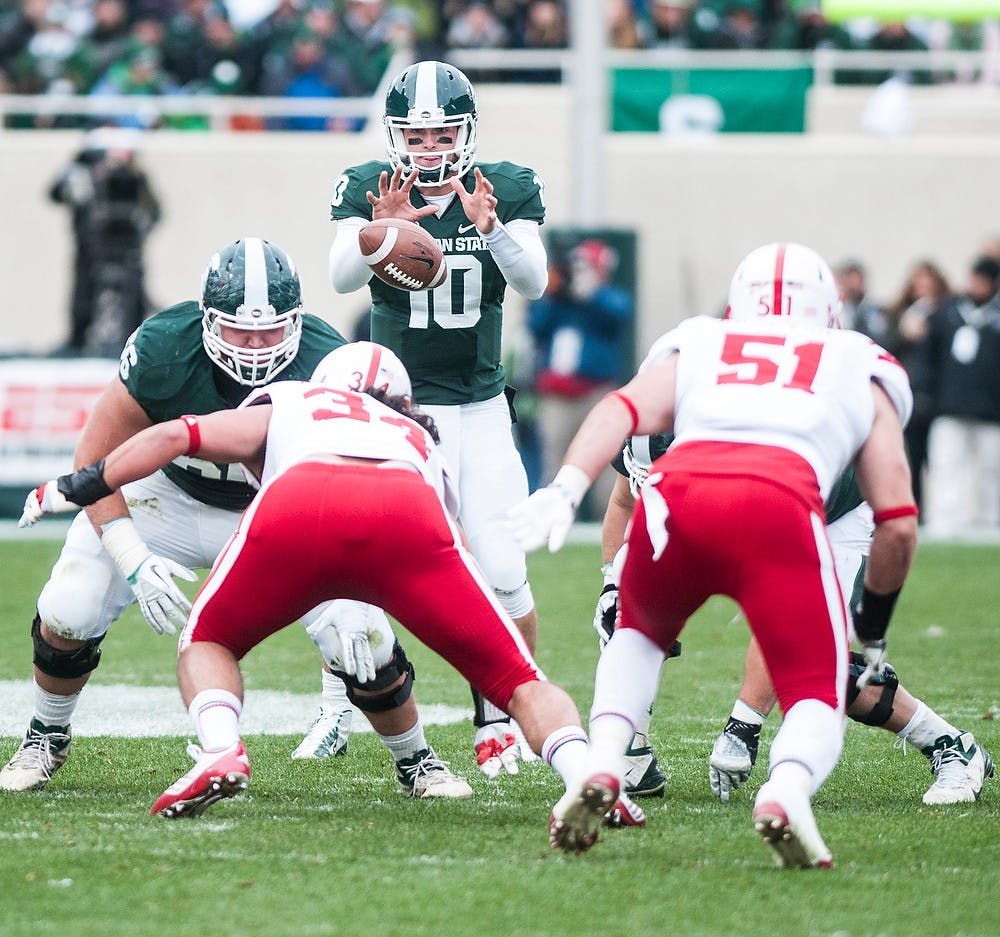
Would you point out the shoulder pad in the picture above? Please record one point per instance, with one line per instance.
(319, 338)
(349, 199)
(672, 341)
(159, 357)
(892, 378)
(518, 190)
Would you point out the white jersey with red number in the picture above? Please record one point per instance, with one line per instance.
(770, 382)
(310, 421)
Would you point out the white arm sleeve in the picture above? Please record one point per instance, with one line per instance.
(348, 271)
(518, 250)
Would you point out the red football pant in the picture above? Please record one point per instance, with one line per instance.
(761, 544)
(322, 531)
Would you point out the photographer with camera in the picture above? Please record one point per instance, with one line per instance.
(114, 208)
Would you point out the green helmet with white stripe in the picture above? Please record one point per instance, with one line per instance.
(251, 286)
(425, 95)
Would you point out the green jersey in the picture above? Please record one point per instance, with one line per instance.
(166, 370)
(844, 497)
(449, 337)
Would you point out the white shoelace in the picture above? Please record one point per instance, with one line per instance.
(38, 753)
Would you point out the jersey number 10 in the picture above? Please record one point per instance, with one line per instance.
(456, 303)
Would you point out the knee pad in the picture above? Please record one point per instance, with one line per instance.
(881, 712)
(83, 596)
(516, 602)
(65, 664)
(388, 697)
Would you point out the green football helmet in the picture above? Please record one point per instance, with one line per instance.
(432, 94)
(251, 285)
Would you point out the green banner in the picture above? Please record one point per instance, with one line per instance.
(958, 11)
(751, 100)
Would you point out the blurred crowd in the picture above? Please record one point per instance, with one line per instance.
(947, 336)
(338, 48)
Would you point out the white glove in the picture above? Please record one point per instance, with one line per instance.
(875, 654)
(547, 515)
(162, 603)
(606, 613)
(732, 758)
(497, 749)
(45, 499)
(351, 622)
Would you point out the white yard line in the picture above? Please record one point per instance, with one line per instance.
(139, 712)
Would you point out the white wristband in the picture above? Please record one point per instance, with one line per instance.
(124, 545)
(575, 480)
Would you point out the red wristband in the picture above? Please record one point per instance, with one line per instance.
(618, 395)
(194, 434)
(904, 510)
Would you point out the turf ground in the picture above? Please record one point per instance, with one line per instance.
(334, 848)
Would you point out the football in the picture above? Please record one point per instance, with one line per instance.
(402, 254)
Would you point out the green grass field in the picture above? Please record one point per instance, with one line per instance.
(334, 848)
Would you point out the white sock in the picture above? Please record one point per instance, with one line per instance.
(565, 750)
(610, 734)
(628, 673)
(334, 691)
(812, 734)
(747, 714)
(216, 716)
(926, 727)
(792, 774)
(407, 744)
(642, 729)
(53, 710)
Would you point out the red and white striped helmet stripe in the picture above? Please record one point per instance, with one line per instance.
(787, 280)
(360, 365)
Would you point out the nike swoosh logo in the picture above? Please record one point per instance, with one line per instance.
(465, 227)
(419, 260)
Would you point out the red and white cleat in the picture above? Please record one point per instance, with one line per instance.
(577, 817)
(625, 812)
(216, 775)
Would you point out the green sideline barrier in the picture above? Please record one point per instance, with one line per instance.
(958, 11)
(752, 101)
(12, 501)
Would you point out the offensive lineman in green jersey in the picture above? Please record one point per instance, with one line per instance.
(249, 330)
(958, 761)
(485, 217)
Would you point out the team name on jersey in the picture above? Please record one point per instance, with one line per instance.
(462, 245)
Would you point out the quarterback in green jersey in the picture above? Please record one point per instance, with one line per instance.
(959, 763)
(248, 330)
(486, 218)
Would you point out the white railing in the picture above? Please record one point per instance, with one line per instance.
(825, 62)
(220, 110)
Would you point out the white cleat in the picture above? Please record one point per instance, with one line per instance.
(962, 766)
(784, 820)
(41, 754)
(328, 735)
(425, 776)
